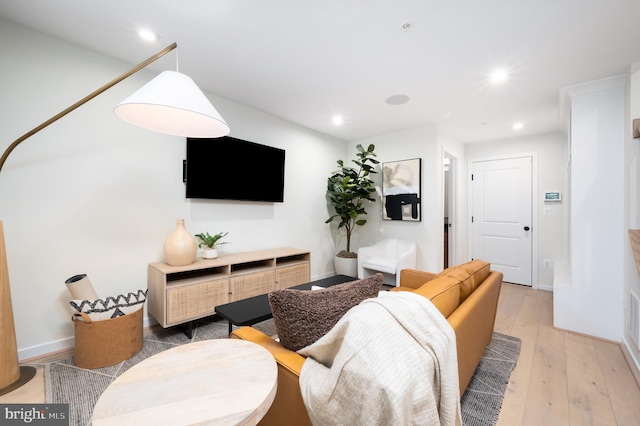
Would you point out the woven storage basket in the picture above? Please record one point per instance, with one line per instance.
(106, 342)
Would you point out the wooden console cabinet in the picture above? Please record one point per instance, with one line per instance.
(179, 294)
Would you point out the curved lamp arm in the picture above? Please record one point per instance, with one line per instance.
(12, 375)
(84, 100)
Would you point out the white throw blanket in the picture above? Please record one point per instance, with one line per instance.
(391, 360)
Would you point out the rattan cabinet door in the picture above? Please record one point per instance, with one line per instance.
(288, 276)
(186, 303)
(249, 285)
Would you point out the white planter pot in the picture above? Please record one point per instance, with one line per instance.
(346, 266)
(209, 253)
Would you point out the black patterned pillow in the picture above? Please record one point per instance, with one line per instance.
(111, 307)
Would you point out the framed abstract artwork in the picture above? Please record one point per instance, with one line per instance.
(401, 190)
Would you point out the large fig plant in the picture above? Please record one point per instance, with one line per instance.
(349, 189)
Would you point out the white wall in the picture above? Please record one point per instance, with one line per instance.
(588, 300)
(551, 153)
(632, 202)
(92, 194)
(403, 145)
(430, 145)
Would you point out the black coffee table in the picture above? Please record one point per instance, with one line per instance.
(256, 309)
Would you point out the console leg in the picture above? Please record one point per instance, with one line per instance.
(187, 329)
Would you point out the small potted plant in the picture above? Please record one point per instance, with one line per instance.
(209, 244)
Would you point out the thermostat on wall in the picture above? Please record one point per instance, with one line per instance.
(552, 196)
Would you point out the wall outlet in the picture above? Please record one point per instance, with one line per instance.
(546, 263)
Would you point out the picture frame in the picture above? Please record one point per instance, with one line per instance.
(401, 190)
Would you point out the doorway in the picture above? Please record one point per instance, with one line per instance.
(449, 170)
(501, 216)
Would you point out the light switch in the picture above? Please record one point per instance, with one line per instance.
(546, 211)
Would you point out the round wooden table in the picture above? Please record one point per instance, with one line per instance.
(222, 381)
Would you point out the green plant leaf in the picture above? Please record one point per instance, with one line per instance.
(349, 187)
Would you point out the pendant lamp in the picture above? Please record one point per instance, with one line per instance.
(171, 103)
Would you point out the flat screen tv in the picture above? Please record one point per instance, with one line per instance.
(228, 168)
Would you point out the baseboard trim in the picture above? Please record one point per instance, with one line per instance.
(632, 361)
(35, 354)
(546, 288)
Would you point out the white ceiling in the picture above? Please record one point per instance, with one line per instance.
(306, 61)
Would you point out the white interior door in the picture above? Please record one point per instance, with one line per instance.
(501, 216)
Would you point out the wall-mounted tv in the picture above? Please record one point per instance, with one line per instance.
(228, 168)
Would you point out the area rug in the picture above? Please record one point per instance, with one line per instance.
(482, 401)
(81, 388)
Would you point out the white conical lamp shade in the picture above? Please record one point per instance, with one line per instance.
(172, 103)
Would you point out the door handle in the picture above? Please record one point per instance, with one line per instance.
(526, 228)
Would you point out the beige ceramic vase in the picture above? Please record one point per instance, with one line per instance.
(180, 248)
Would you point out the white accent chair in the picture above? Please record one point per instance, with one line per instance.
(388, 256)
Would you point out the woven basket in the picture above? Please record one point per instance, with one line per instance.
(107, 342)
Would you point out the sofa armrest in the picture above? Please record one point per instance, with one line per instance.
(288, 359)
(412, 278)
(473, 324)
(288, 406)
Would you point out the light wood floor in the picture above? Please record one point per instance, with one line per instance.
(561, 378)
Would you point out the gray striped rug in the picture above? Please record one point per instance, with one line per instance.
(482, 401)
(81, 388)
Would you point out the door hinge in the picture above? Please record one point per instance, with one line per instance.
(472, 176)
(471, 219)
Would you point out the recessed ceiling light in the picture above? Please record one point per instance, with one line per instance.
(517, 126)
(397, 99)
(148, 35)
(499, 76)
(337, 120)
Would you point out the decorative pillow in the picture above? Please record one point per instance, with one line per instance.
(111, 307)
(304, 316)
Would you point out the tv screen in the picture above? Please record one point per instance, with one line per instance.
(227, 168)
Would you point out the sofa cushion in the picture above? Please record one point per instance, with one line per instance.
(470, 274)
(444, 293)
(478, 270)
(444, 272)
(384, 264)
(413, 278)
(303, 316)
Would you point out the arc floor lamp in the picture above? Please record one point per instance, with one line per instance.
(171, 103)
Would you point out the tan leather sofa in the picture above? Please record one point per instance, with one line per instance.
(467, 295)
